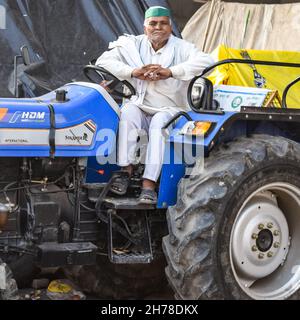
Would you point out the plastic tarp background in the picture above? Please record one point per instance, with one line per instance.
(63, 36)
(276, 78)
(241, 25)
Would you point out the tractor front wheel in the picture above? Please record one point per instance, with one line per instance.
(235, 230)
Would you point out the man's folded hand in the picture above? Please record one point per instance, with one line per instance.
(152, 72)
(142, 73)
(160, 74)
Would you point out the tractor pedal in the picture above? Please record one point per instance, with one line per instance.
(106, 189)
(140, 249)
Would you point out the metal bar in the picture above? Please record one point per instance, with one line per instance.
(240, 61)
(286, 90)
(243, 61)
(177, 115)
(254, 114)
(16, 91)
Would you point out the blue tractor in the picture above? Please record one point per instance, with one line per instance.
(227, 215)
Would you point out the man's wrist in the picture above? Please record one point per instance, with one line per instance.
(132, 73)
(177, 71)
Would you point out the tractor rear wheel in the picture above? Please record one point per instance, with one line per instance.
(235, 230)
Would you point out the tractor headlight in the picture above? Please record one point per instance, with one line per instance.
(197, 128)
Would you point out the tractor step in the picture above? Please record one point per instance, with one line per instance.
(131, 258)
(138, 249)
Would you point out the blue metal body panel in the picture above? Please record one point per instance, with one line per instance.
(171, 174)
(172, 171)
(218, 119)
(99, 173)
(84, 104)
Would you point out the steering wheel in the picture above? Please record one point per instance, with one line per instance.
(116, 87)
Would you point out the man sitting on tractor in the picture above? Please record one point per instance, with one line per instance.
(160, 67)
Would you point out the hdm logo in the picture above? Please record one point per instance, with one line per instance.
(29, 116)
(2, 17)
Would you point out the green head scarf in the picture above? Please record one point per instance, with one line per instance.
(157, 12)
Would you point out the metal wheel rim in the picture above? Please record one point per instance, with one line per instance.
(285, 280)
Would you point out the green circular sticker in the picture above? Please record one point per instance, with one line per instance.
(236, 102)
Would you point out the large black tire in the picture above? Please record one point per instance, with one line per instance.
(200, 224)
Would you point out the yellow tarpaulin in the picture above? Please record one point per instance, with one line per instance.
(270, 77)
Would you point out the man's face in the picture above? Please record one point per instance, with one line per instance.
(158, 29)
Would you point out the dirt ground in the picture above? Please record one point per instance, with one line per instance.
(41, 294)
(76, 293)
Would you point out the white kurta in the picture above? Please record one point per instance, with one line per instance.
(183, 59)
(162, 98)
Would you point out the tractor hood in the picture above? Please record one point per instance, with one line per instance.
(46, 126)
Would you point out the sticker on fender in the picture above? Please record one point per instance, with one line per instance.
(80, 135)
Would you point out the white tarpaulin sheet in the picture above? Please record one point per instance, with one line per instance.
(238, 25)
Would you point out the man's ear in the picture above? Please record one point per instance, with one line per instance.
(145, 30)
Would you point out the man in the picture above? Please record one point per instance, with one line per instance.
(160, 66)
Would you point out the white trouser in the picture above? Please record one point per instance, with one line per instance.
(135, 123)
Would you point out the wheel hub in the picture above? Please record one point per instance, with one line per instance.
(264, 240)
(260, 239)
